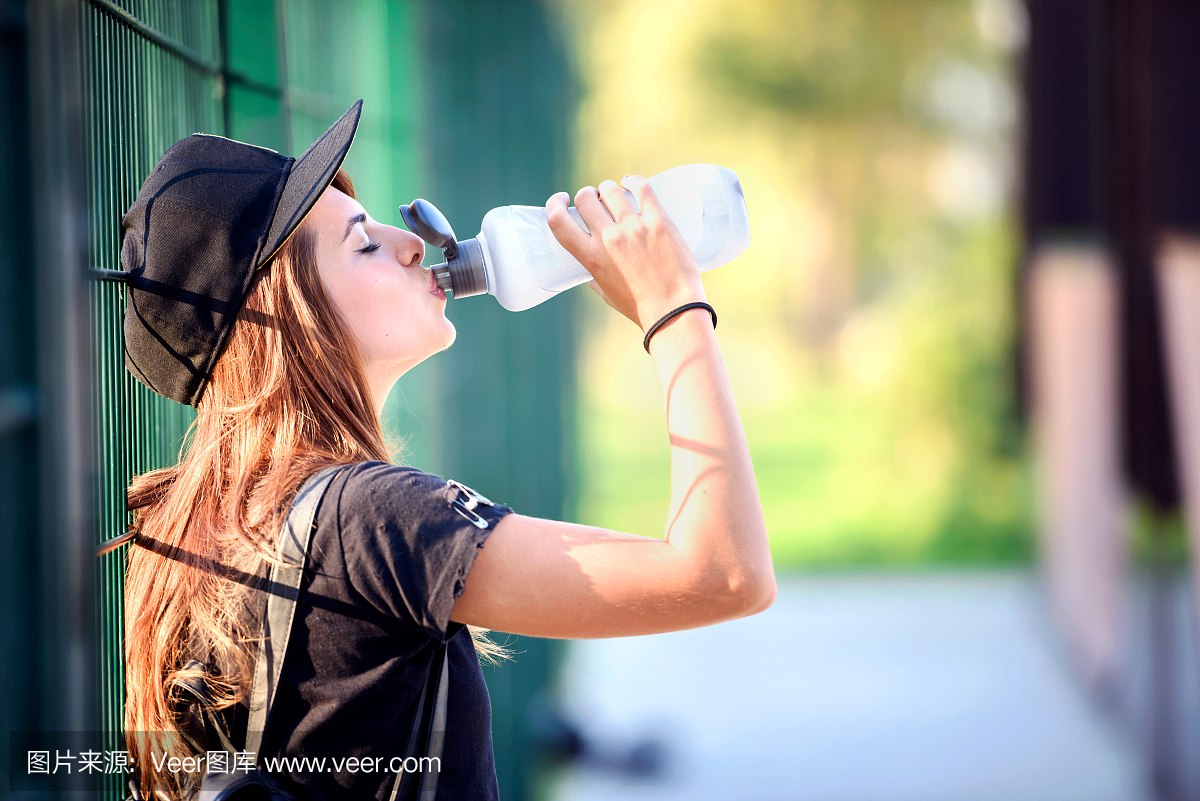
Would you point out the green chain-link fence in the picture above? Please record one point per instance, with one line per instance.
(490, 128)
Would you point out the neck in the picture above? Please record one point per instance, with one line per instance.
(381, 379)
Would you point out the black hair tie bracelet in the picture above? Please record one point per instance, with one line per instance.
(663, 320)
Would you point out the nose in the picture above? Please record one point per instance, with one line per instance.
(410, 249)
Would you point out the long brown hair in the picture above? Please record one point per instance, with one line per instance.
(287, 396)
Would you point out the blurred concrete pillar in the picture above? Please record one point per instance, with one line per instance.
(1110, 158)
(1074, 383)
(1175, 169)
(1179, 299)
(1174, 165)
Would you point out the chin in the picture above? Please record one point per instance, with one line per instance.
(451, 335)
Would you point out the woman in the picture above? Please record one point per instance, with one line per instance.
(264, 294)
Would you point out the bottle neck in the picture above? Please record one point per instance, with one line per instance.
(464, 274)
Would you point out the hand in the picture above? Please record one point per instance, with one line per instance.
(640, 263)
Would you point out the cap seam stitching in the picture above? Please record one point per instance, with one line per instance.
(159, 320)
(207, 213)
(219, 345)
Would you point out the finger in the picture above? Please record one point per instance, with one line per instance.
(595, 215)
(614, 200)
(568, 232)
(641, 189)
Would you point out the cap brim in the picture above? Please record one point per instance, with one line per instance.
(310, 175)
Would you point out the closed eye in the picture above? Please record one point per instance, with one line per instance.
(370, 248)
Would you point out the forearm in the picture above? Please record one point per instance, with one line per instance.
(715, 519)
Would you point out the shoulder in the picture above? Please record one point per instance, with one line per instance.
(408, 539)
(384, 485)
(382, 480)
(380, 494)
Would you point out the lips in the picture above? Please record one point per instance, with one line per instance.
(434, 289)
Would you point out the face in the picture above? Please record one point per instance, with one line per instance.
(374, 276)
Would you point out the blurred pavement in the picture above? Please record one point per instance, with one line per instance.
(855, 688)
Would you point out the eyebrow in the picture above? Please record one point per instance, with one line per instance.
(355, 220)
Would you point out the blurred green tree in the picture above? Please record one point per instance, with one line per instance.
(868, 329)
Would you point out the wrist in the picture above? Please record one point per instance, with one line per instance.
(650, 313)
(676, 315)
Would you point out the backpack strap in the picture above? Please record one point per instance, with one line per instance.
(428, 720)
(282, 594)
(199, 726)
(437, 729)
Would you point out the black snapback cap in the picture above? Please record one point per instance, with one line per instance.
(210, 214)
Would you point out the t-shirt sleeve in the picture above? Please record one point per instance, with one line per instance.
(410, 539)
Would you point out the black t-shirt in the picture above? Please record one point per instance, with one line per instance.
(389, 557)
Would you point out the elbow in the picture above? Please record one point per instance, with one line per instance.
(760, 595)
(755, 587)
(749, 595)
(733, 589)
(767, 594)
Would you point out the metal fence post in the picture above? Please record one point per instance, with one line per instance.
(44, 425)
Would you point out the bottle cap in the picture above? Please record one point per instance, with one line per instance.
(463, 273)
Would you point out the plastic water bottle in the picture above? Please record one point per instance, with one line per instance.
(517, 258)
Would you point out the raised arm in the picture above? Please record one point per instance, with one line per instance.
(552, 579)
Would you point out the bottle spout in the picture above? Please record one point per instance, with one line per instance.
(463, 273)
(423, 219)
